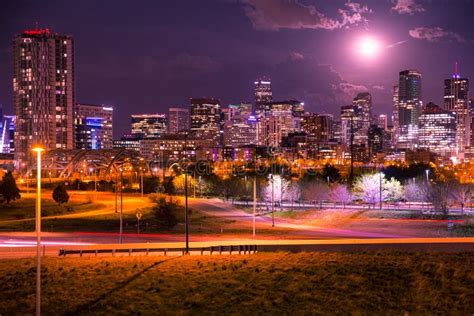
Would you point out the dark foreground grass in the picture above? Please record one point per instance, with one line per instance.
(280, 283)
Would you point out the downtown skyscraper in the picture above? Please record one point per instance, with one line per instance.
(263, 94)
(43, 92)
(456, 99)
(408, 103)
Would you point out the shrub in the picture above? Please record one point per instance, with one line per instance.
(8, 188)
(60, 195)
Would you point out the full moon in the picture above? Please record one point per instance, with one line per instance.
(368, 47)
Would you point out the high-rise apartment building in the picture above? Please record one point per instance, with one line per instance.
(319, 126)
(456, 99)
(437, 130)
(206, 120)
(43, 92)
(409, 105)
(263, 94)
(149, 125)
(178, 120)
(395, 119)
(93, 126)
(352, 123)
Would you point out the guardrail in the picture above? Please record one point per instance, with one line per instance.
(245, 249)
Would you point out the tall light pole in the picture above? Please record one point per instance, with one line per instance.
(380, 188)
(186, 218)
(121, 204)
(38, 151)
(141, 180)
(427, 171)
(273, 201)
(95, 179)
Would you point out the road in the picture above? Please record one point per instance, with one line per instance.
(18, 244)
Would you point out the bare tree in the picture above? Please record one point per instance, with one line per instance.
(416, 192)
(460, 193)
(438, 195)
(339, 193)
(315, 191)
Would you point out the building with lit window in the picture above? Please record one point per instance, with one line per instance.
(382, 121)
(318, 126)
(206, 120)
(409, 103)
(127, 142)
(149, 125)
(178, 120)
(363, 104)
(263, 94)
(456, 99)
(437, 130)
(43, 92)
(93, 126)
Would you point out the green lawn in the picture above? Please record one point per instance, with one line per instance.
(279, 283)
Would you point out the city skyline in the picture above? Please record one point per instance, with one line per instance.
(126, 80)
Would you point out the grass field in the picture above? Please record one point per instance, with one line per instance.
(279, 283)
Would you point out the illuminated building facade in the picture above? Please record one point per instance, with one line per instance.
(456, 99)
(437, 130)
(149, 125)
(206, 119)
(319, 126)
(363, 106)
(263, 94)
(409, 105)
(93, 126)
(382, 121)
(178, 120)
(43, 92)
(240, 127)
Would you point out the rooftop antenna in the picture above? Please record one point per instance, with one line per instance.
(456, 67)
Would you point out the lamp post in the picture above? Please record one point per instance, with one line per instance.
(186, 218)
(141, 180)
(380, 188)
(38, 151)
(273, 200)
(427, 172)
(121, 204)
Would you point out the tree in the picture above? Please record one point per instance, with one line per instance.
(416, 191)
(168, 186)
(339, 193)
(60, 195)
(283, 189)
(367, 188)
(461, 193)
(316, 191)
(151, 185)
(438, 195)
(330, 172)
(8, 188)
(165, 211)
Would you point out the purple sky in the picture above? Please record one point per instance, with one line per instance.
(145, 56)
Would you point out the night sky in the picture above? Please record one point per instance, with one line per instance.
(145, 56)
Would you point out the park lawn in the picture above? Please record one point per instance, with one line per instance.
(273, 283)
(24, 208)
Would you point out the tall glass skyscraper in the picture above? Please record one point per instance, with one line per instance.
(263, 94)
(409, 107)
(456, 99)
(43, 92)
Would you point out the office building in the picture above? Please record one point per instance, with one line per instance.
(149, 125)
(437, 130)
(456, 99)
(178, 120)
(409, 103)
(382, 121)
(263, 94)
(363, 103)
(93, 126)
(318, 126)
(43, 92)
(206, 120)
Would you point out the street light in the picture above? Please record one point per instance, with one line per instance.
(95, 179)
(427, 171)
(186, 217)
(38, 151)
(121, 204)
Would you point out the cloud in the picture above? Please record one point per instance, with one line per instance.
(319, 85)
(296, 56)
(378, 87)
(291, 14)
(407, 7)
(435, 34)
